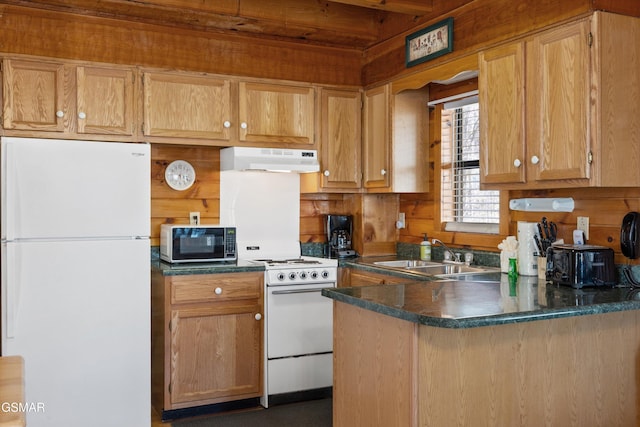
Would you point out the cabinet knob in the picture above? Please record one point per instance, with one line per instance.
(535, 160)
(218, 291)
(82, 115)
(258, 316)
(227, 124)
(326, 173)
(383, 172)
(517, 163)
(60, 114)
(243, 125)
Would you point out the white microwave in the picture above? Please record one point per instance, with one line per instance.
(197, 243)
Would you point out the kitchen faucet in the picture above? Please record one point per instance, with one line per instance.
(454, 256)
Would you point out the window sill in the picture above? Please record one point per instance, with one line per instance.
(471, 227)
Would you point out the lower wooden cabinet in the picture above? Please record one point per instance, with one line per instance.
(352, 277)
(207, 339)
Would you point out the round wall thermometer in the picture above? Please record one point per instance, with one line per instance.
(180, 175)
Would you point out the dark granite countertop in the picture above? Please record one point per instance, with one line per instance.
(490, 300)
(239, 266)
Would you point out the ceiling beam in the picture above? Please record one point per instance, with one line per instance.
(410, 7)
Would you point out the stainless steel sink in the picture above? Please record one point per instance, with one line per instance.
(446, 269)
(433, 268)
(407, 263)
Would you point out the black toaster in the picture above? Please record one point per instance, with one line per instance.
(581, 265)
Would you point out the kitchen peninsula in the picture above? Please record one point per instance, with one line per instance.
(461, 353)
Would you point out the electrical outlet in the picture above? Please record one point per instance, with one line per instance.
(583, 224)
(194, 218)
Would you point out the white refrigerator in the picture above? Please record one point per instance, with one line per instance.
(75, 285)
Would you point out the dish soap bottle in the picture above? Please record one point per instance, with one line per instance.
(425, 249)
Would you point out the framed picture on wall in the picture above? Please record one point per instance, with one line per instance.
(429, 43)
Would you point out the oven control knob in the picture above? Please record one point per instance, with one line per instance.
(325, 274)
(292, 275)
(314, 274)
(303, 275)
(280, 276)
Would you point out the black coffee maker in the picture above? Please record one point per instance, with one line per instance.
(339, 229)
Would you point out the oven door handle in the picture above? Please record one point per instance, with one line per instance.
(297, 291)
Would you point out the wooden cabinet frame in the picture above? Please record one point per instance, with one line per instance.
(73, 100)
(551, 121)
(207, 339)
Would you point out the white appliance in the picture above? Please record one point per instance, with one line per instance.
(76, 280)
(265, 209)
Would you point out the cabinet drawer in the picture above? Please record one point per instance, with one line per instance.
(360, 278)
(215, 287)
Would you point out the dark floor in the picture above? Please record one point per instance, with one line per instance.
(311, 413)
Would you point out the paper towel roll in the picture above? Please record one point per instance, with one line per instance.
(527, 260)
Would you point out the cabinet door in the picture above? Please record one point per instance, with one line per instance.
(33, 96)
(558, 92)
(104, 101)
(341, 139)
(502, 103)
(216, 353)
(276, 113)
(376, 141)
(409, 144)
(188, 106)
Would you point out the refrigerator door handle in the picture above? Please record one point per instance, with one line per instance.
(12, 287)
(7, 190)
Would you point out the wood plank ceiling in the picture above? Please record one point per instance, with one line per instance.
(355, 24)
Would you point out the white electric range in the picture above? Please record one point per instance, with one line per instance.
(298, 326)
(298, 320)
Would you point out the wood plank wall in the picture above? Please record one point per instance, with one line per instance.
(169, 206)
(59, 35)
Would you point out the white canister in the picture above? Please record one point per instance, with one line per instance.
(527, 259)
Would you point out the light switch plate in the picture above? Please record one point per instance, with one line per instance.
(194, 218)
(583, 224)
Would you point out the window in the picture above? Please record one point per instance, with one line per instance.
(464, 207)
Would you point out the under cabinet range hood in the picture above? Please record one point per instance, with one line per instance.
(269, 159)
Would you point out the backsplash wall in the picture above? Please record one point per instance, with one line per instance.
(169, 206)
(605, 207)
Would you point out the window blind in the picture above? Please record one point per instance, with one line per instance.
(462, 201)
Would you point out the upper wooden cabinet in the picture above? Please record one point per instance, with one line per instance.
(375, 138)
(502, 105)
(396, 140)
(187, 106)
(410, 141)
(393, 131)
(340, 144)
(221, 111)
(555, 110)
(33, 95)
(69, 99)
(105, 101)
(277, 113)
